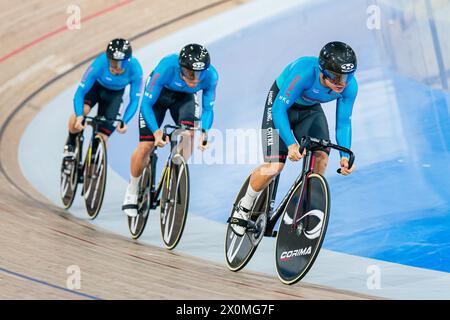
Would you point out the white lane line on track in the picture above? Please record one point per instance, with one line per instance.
(52, 62)
(24, 75)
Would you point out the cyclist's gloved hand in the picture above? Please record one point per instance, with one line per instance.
(79, 123)
(120, 129)
(294, 152)
(203, 139)
(159, 142)
(344, 167)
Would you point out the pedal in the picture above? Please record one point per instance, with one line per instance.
(67, 168)
(239, 222)
(68, 162)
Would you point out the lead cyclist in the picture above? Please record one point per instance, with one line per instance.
(293, 110)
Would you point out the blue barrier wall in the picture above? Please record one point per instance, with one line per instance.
(415, 37)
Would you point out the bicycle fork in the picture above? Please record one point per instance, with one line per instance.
(308, 168)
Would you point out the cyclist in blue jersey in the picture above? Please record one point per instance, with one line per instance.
(293, 110)
(104, 83)
(172, 86)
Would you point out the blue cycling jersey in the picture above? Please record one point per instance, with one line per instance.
(99, 71)
(299, 83)
(167, 75)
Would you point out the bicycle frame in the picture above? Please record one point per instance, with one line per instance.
(311, 144)
(155, 192)
(94, 123)
(274, 214)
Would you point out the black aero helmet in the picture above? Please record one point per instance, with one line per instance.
(194, 57)
(119, 49)
(337, 57)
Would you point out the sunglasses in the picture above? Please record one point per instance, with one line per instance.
(192, 75)
(337, 78)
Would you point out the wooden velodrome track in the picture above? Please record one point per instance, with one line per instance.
(39, 57)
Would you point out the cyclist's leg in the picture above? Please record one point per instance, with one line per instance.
(108, 106)
(184, 111)
(140, 158)
(274, 149)
(275, 153)
(313, 123)
(320, 130)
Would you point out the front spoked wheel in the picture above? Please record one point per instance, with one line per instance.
(240, 249)
(95, 176)
(136, 225)
(174, 202)
(299, 242)
(69, 177)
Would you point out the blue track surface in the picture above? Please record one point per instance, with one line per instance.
(396, 205)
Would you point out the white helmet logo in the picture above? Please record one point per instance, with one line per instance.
(347, 67)
(117, 55)
(198, 65)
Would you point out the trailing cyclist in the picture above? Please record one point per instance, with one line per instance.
(172, 85)
(104, 83)
(293, 110)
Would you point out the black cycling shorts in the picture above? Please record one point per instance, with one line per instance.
(183, 109)
(109, 102)
(304, 120)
